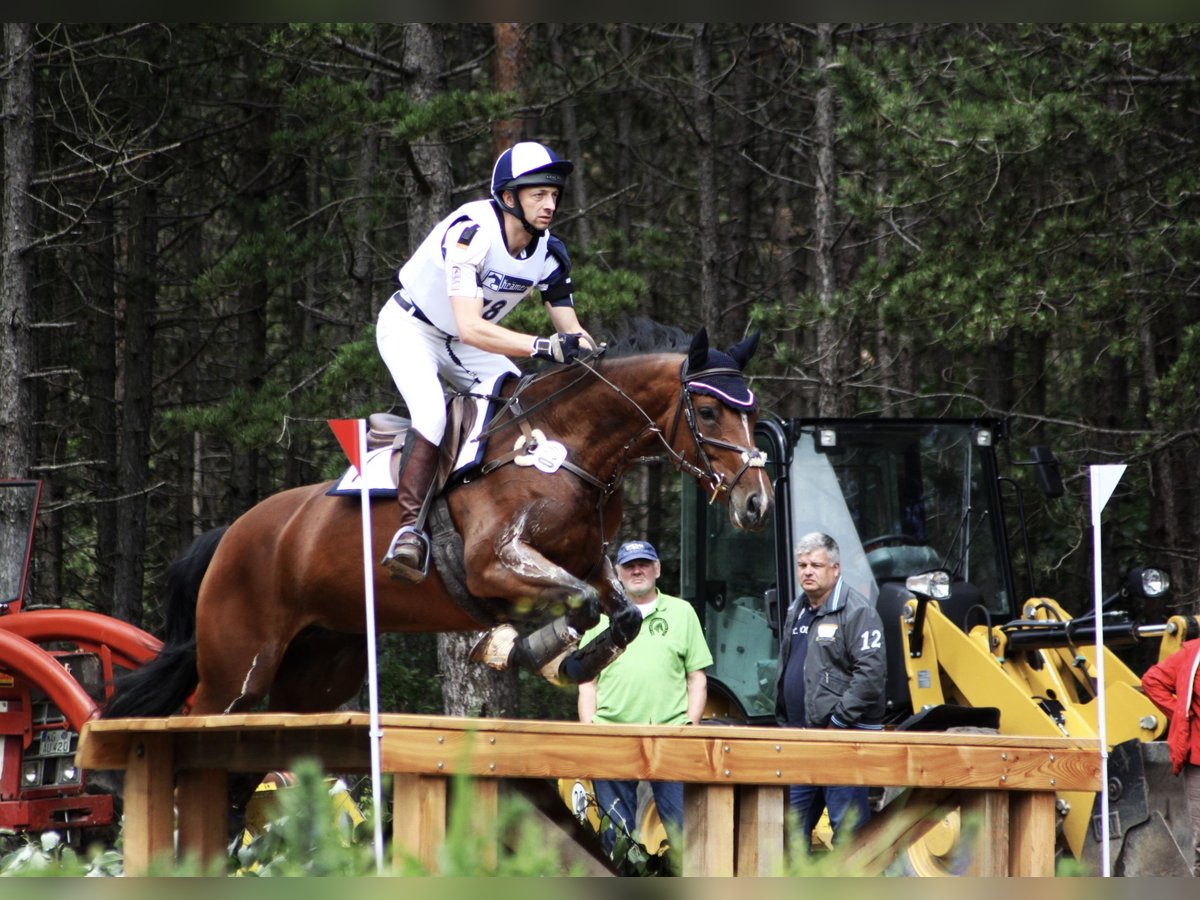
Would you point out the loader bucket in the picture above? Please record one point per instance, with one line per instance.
(1149, 830)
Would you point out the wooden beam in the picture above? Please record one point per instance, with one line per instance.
(418, 820)
(707, 829)
(149, 832)
(1031, 834)
(760, 830)
(524, 748)
(905, 820)
(984, 817)
(203, 802)
(485, 817)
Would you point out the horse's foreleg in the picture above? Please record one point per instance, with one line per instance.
(519, 570)
(624, 618)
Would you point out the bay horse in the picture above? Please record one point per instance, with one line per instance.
(279, 613)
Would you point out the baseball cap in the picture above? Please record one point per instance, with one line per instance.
(632, 550)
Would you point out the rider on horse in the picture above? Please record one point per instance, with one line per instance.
(469, 272)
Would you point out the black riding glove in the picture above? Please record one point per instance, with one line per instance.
(562, 347)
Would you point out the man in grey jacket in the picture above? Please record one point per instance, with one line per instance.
(832, 669)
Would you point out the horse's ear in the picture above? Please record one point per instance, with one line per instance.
(698, 352)
(744, 349)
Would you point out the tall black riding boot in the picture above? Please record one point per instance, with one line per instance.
(407, 558)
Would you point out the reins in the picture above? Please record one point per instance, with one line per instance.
(751, 456)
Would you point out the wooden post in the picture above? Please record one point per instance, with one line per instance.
(708, 829)
(987, 813)
(149, 802)
(760, 830)
(1031, 841)
(485, 817)
(203, 800)
(418, 819)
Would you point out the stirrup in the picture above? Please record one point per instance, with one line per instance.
(400, 570)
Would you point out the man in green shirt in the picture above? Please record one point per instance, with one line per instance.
(658, 680)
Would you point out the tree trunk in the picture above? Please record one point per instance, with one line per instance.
(366, 304)
(423, 56)
(468, 688)
(578, 193)
(510, 71)
(706, 179)
(16, 307)
(832, 399)
(136, 401)
(100, 374)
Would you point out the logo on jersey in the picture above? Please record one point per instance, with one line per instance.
(657, 626)
(500, 283)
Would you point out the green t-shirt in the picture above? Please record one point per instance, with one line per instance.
(647, 684)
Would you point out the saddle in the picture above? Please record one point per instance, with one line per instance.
(390, 430)
(459, 456)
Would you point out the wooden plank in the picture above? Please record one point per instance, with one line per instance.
(905, 820)
(871, 759)
(243, 721)
(1031, 834)
(984, 817)
(149, 832)
(707, 830)
(760, 830)
(418, 819)
(203, 800)
(549, 749)
(565, 843)
(485, 817)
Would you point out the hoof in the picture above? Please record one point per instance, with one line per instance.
(552, 673)
(495, 647)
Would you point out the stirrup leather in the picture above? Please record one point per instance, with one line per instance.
(389, 558)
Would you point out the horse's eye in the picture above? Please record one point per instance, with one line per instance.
(707, 414)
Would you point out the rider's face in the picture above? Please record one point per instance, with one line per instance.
(539, 204)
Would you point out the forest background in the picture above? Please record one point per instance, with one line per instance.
(200, 223)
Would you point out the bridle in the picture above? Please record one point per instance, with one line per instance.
(752, 457)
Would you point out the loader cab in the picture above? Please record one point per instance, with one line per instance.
(900, 496)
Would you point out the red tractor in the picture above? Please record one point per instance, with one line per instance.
(56, 669)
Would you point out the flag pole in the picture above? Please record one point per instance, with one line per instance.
(352, 435)
(1103, 482)
(376, 732)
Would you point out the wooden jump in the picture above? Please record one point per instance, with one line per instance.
(735, 779)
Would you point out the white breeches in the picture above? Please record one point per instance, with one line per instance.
(416, 353)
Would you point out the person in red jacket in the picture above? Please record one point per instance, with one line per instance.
(1171, 685)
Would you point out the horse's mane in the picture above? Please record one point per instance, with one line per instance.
(644, 335)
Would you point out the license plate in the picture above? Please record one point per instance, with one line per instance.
(55, 742)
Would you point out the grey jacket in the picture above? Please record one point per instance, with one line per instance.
(846, 665)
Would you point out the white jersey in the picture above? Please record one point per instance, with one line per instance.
(466, 255)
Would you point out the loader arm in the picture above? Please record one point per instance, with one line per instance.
(1035, 694)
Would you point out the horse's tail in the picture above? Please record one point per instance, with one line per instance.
(161, 686)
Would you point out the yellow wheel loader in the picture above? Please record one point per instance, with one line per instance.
(908, 497)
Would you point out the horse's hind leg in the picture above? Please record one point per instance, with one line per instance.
(235, 675)
(320, 671)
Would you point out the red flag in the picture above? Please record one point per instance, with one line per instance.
(346, 431)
